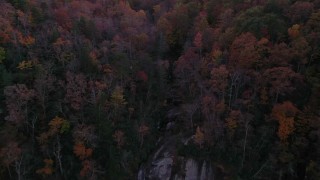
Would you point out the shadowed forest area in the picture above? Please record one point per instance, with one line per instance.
(90, 89)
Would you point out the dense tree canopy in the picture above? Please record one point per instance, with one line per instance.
(89, 86)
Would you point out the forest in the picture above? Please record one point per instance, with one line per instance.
(93, 89)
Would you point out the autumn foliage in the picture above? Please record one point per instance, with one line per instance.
(285, 113)
(100, 89)
(81, 151)
(47, 169)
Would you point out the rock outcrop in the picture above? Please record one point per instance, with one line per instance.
(160, 167)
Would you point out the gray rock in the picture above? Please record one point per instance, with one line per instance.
(162, 169)
(159, 166)
(206, 172)
(191, 170)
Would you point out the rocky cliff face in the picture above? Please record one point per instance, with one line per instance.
(166, 165)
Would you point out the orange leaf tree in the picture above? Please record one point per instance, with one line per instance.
(47, 169)
(285, 113)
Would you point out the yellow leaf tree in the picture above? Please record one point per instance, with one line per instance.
(199, 137)
(117, 97)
